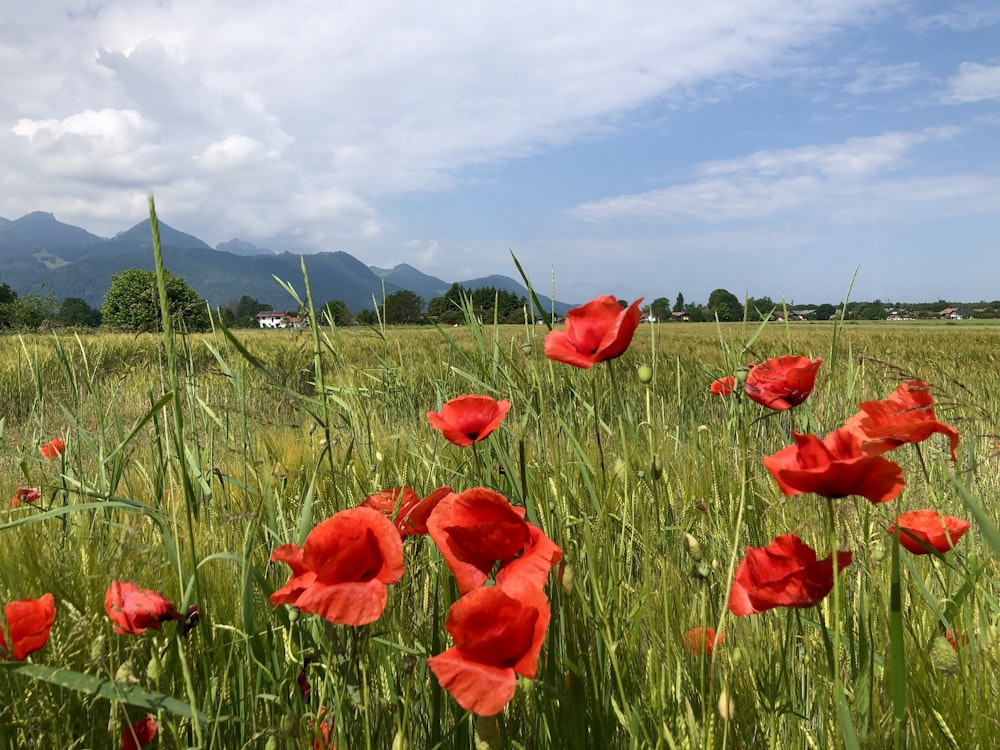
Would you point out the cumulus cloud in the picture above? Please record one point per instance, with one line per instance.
(974, 83)
(351, 100)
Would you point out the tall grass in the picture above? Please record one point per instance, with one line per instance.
(191, 457)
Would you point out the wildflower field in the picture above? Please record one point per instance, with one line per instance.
(611, 536)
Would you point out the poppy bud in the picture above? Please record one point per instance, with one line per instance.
(126, 674)
(741, 374)
(566, 576)
(944, 657)
(692, 546)
(656, 469)
(526, 349)
(702, 571)
(399, 741)
(878, 552)
(727, 707)
(645, 374)
(736, 655)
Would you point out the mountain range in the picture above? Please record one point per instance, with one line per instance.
(40, 254)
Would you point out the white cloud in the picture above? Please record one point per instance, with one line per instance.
(360, 98)
(964, 17)
(974, 83)
(878, 78)
(844, 182)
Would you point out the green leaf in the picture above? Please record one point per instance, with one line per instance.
(102, 687)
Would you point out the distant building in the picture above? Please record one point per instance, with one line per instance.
(275, 319)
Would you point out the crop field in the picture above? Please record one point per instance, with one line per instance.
(171, 470)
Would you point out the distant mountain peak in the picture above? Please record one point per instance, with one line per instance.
(236, 246)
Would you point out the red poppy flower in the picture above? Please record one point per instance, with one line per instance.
(25, 495)
(702, 640)
(497, 632)
(956, 639)
(323, 733)
(406, 507)
(468, 419)
(342, 570)
(834, 467)
(599, 330)
(134, 610)
(723, 386)
(478, 528)
(785, 573)
(923, 529)
(782, 382)
(906, 416)
(53, 448)
(28, 623)
(140, 734)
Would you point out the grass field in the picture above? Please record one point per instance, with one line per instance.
(189, 460)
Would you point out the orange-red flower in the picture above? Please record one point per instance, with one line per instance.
(702, 640)
(25, 495)
(53, 448)
(477, 529)
(599, 330)
(405, 508)
(785, 573)
(342, 570)
(498, 633)
(782, 382)
(923, 530)
(956, 639)
(834, 467)
(28, 624)
(468, 419)
(723, 386)
(140, 734)
(134, 610)
(906, 416)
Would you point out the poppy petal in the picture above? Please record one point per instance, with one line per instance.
(480, 688)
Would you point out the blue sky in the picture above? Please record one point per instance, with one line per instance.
(767, 147)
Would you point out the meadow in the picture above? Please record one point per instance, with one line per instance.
(189, 459)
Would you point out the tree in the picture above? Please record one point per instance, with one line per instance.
(660, 308)
(824, 312)
(74, 311)
(8, 298)
(247, 309)
(34, 311)
(132, 302)
(448, 307)
(403, 306)
(874, 311)
(679, 304)
(724, 305)
(337, 311)
(367, 317)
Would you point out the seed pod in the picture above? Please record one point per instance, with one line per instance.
(727, 706)
(566, 576)
(944, 657)
(692, 546)
(645, 374)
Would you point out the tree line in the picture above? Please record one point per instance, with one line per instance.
(132, 303)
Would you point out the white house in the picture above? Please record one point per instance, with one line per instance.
(275, 319)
